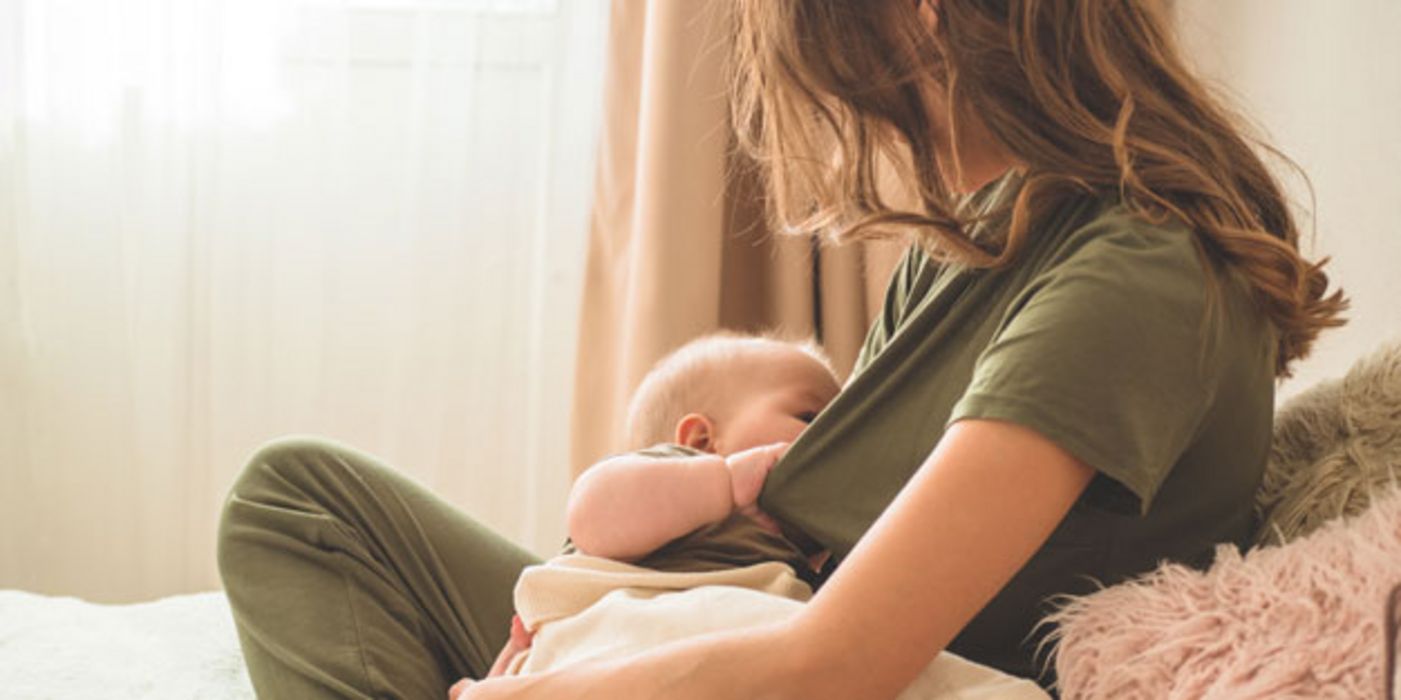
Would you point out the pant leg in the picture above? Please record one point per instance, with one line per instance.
(348, 579)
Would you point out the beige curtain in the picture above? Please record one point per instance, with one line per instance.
(677, 249)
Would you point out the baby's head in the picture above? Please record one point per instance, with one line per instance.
(725, 393)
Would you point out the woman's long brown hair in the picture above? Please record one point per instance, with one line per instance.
(1088, 95)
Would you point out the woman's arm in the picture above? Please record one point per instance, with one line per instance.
(972, 515)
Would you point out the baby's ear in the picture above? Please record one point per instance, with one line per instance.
(696, 431)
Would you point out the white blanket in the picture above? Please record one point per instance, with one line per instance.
(582, 607)
(180, 647)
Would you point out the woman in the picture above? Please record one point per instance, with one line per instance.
(1072, 377)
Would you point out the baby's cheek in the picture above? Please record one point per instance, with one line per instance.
(795, 428)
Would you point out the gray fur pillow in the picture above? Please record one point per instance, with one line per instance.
(1335, 445)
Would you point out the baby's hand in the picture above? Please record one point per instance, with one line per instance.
(748, 471)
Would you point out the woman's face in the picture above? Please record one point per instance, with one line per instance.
(974, 158)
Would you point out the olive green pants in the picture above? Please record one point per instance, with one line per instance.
(347, 579)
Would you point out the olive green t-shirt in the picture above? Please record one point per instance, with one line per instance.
(1094, 338)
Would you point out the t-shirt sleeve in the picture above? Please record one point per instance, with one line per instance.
(1104, 354)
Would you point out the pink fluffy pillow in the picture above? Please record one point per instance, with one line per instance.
(1300, 620)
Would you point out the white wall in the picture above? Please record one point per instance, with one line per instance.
(1322, 78)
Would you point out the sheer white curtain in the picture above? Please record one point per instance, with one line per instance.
(227, 220)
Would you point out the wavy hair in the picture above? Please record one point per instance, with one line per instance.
(1088, 95)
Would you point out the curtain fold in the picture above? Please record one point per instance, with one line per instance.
(678, 245)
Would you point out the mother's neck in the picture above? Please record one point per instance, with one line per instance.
(981, 157)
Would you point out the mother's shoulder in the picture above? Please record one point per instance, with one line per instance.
(1114, 234)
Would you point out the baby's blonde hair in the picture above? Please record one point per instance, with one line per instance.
(677, 384)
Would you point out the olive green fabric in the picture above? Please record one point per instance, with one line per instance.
(349, 580)
(731, 543)
(1094, 338)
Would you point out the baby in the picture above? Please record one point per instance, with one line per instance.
(719, 412)
(667, 542)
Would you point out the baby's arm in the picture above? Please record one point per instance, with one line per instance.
(626, 507)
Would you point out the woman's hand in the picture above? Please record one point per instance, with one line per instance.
(755, 663)
(574, 683)
(469, 689)
(519, 643)
(748, 471)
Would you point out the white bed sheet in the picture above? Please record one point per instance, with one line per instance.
(69, 649)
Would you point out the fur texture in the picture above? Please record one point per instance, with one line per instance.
(1334, 445)
(1302, 620)
(1299, 616)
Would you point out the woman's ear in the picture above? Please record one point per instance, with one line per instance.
(696, 431)
(929, 14)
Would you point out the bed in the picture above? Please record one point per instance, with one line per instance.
(181, 647)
